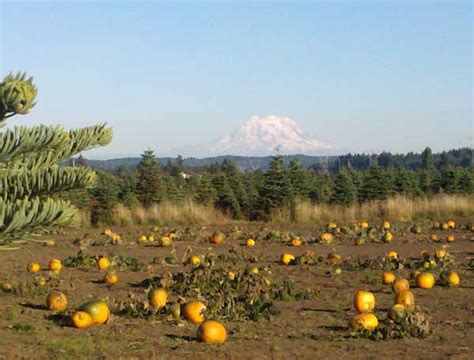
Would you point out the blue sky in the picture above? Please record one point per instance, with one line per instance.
(366, 76)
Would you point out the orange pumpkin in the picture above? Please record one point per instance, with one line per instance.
(296, 242)
(392, 255)
(388, 277)
(450, 238)
(434, 237)
(364, 301)
(326, 238)
(453, 279)
(81, 320)
(250, 243)
(400, 285)
(98, 310)
(56, 301)
(55, 265)
(217, 238)
(103, 263)
(386, 225)
(425, 280)
(111, 278)
(194, 312)
(34, 267)
(158, 298)
(387, 237)
(365, 322)
(406, 298)
(195, 260)
(212, 332)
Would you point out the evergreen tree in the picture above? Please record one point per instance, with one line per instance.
(376, 185)
(205, 194)
(450, 179)
(344, 191)
(149, 187)
(299, 178)
(427, 159)
(104, 198)
(321, 188)
(466, 181)
(276, 191)
(226, 199)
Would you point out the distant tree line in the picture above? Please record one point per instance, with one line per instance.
(255, 194)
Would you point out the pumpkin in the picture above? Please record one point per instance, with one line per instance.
(358, 241)
(55, 265)
(331, 226)
(450, 238)
(41, 281)
(81, 320)
(195, 260)
(441, 253)
(142, 239)
(397, 313)
(363, 225)
(151, 238)
(194, 312)
(364, 301)
(425, 280)
(406, 298)
(388, 277)
(451, 224)
(400, 285)
(365, 322)
(166, 241)
(386, 225)
(254, 270)
(34, 267)
(387, 237)
(158, 298)
(444, 226)
(107, 231)
(231, 275)
(392, 255)
(103, 263)
(287, 258)
(56, 301)
(211, 332)
(217, 238)
(110, 278)
(296, 242)
(98, 310)
(453, 279)
(250, 243)
(116, 238)
(434, 237)
(326, 238)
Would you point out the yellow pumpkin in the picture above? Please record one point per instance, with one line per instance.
(111, 278)
(388, 277)
(250, 243)
(406, 298)
(364, 301)
(386, 225)
(397, 313)
(441, 253)
(212, 332)
(367, 322)
(142, 239)
(194, 312)
(425, 280)
(107, 231)
(34, 267)
(326, 238)
(55, 265)
(81, 320)
(451, 224)
(217, 238)
(387, 237)
(287, 258)
(98, 310)
(158, 298)
(56, 301)
(434, 237)
(231, 275)
(400, 285)
(450, 238)
(444, 226)
(116, 238)
(103, 263)
(453, 279)
(195, 260)
(166, 241)
(392, 255)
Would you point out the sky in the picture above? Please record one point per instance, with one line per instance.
(364, 76)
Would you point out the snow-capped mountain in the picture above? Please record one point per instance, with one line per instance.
(261, 136)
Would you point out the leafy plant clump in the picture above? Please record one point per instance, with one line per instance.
(121, 263)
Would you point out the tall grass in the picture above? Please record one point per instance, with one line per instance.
(397, 208)
(185, 213)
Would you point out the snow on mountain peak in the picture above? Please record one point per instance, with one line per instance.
(261, 136)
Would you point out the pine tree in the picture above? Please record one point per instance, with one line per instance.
(299, 178)
(30, 175)
(427, 159)
(149, 188)
(376, 185)
(321, 188)
(276, 191)
(226, 199)
(104, 198)
(466, 181)
(344, 191)
(205, 194)
(450, 179)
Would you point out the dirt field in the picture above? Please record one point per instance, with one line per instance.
(305, 329)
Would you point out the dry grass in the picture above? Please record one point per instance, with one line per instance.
(395, 209)
(186, 213)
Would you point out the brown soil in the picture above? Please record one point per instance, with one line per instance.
(306, 329)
